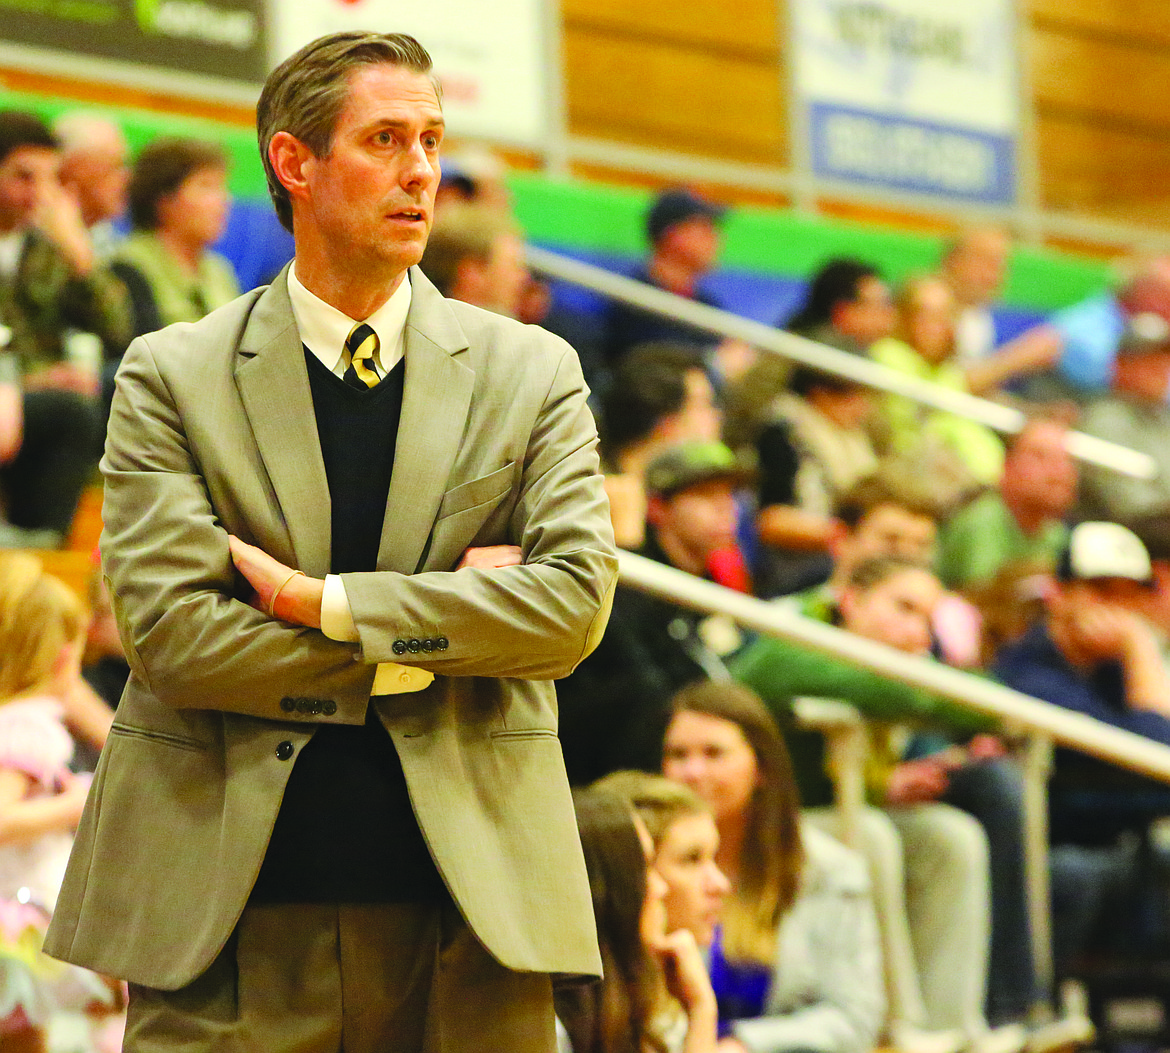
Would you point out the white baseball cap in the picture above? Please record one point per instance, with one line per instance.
(1104, 550)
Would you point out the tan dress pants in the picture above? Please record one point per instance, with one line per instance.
(315, 978)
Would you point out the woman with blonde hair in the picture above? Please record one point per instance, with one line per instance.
(42, 635)
(796, 964)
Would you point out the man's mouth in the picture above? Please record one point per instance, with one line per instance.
(409, 215)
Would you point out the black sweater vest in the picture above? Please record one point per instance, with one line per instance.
(346, 832)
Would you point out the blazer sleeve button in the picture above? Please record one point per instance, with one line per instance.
(400, 647)
(329, 707)
(315, 706)
(442, 643)
(428, 645)
(284, 751)
(289, 705)
(304, 705)
(413, 646)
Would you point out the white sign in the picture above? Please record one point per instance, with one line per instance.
(911, 94)
(490, 56)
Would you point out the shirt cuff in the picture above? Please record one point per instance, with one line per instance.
(337, 623)
(336, 619)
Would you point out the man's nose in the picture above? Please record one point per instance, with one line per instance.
(420, 168)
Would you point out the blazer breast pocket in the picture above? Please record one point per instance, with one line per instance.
(471, 514)
(487, 489)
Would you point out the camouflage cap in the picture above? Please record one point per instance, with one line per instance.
(691, 463)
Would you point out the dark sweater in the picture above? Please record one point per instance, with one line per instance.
(346, 831)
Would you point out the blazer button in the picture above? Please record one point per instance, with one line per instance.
(442, 643)
(413, 646)
(288, 704)
(400, 647)
(428, 645)
(329, 707)
(284, 751)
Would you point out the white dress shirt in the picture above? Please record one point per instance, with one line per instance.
(323, 329)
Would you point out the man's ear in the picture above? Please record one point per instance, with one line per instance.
(288, 157)
(655, 510)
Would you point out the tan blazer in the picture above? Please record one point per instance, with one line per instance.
(212, 431)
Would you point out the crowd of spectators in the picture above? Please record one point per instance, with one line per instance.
(730, 918)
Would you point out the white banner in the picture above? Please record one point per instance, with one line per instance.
(911, 94)
(489, 55)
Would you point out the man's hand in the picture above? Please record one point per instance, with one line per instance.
(65, 376)
(298, 597)
(11, 421)
(491, 557)
(913, 782)
(58, 216)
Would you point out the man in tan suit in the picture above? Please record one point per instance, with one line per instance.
(332, 812)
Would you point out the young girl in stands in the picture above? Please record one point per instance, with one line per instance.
(655, 996)
(795, 965)
(42, 634)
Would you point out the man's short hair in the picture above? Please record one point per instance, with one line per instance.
(877, 491)
(648, 384)
(306, 93)
(460, 232)
(161, 169)
(19, 128)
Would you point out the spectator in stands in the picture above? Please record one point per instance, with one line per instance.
(660, 396)
(847, 306)
(655, 993)
(682, 828)
(613, 706)
(476, 254)
(42, 630)
(179, 207)
(796, 964)
(50, 287)
(95, 170)
(1094, 655)
(1134, 414)
(974, 264)
(1091, 332)
(1023, 518)
(683, 231)
(810, 453)
(891, 600)
(924, 348)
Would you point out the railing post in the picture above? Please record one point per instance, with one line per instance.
(1036, 764)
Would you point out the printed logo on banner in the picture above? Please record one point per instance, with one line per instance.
(910, 94)
(195, 19)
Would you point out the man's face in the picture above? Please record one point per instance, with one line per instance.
(1039, 473)
(700, 518)
(505, 276)
(890, 530)
(976, 268)
(24, 175)
(371, 198)
(695, 241)
(699, 416)
(99, 175)
(896, 611)
(868, 317)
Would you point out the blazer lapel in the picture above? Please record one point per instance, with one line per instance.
(435, 400)
(274, 387)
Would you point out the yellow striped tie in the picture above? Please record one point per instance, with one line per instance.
(360, 348)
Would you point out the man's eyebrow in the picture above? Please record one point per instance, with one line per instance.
(438, 123)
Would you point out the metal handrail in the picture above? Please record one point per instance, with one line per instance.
(1006, 419)
(1039, 723)
(1020, 713)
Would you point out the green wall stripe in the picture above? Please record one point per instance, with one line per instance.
(601, 218)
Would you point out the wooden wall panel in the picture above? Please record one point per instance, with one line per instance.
(673, 96)
(706, 24)
(1144, 22)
